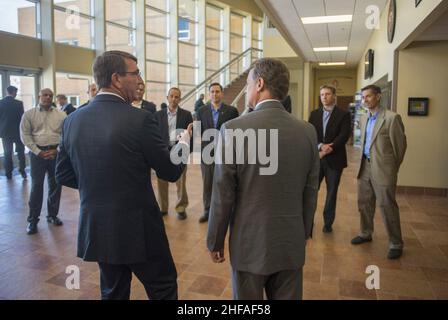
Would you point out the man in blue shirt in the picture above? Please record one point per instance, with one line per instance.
(383, 149)
(212, 116)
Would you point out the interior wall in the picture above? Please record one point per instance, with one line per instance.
(343, 79)
(407, 19)
(423, 72)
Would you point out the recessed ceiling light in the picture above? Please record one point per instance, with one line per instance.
(330, 49)
(327, 64)
(327, 19)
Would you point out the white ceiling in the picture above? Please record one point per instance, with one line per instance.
(287, 14)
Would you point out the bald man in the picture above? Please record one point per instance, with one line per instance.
(40, 131)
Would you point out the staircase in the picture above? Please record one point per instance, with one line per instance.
(232, 90)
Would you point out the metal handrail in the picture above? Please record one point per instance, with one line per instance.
(237, 59)
(238, 97)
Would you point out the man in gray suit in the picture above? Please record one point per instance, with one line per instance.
(270, 214)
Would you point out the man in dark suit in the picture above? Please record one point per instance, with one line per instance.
(11, 111)
(64, 105)
(106, 151)
(268, 209)
(139, 102)
(287, 103)
(92, 90)
(199, 103)
(333, 127)
(212, 116)
(172, 120)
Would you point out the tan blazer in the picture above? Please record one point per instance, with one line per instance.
(387, 148)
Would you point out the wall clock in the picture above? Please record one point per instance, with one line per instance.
(392, 15)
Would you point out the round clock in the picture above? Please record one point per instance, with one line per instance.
(391, 20)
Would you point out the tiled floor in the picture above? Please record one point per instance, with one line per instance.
(33, 267)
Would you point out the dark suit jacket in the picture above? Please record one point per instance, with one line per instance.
(199, 103)
(338, 132)
(69, 109)
(11, 111)
(148, 106)
(83, 105)
(107, 150)
(183, 119)
(287, 104)
(204, 115)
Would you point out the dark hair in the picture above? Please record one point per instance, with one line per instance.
(11, 90)
(215, 84)
(374, 88)
(326, 86)
(107, 64)
(174, 88)
(61, 96)
(275, 75)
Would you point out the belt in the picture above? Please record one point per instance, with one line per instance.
(364, 157)
(46, 148)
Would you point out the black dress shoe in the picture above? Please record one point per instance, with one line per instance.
(327, 229)
(23, 174)
(182, 215)
(203, 218)
(9, 176)
(394, 253)
(54, 220)
(360, 240)
(164, 213)
(32, 228)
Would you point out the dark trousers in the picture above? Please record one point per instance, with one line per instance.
(282, 285)
(39, 168)
(8, 144)
(159, 280)
(207, 179)
(332, 179)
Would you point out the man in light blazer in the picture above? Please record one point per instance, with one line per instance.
(270, 215)
(383, 149)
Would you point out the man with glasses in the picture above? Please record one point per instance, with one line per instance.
(107, 150)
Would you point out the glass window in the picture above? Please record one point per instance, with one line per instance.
(187, 30)
(213, 16)
(156, 22)
(156, 71)
(75, 30)
(121, 12)
(187, 76)
(26, 92)
(19, 17)
(188, 9)
(118, 38)
(82, 6)
(156, 92)
(187, 54)
(73, 86)
(159, 4)
(157, 48)
(236, 23)
(213, 59)
(213, 38)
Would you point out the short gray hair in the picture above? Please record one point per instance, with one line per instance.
(275, 75)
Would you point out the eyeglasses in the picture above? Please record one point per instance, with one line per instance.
(134, 73)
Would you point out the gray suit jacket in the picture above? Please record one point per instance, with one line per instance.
(270, 216)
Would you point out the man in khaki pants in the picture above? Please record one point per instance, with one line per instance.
(173, 120)
(383, 149)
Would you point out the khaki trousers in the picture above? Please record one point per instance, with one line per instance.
(182, 197)
(370, 192)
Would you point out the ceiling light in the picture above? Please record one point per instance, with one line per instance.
(327, 19)
(326, 64)
(330, 49)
